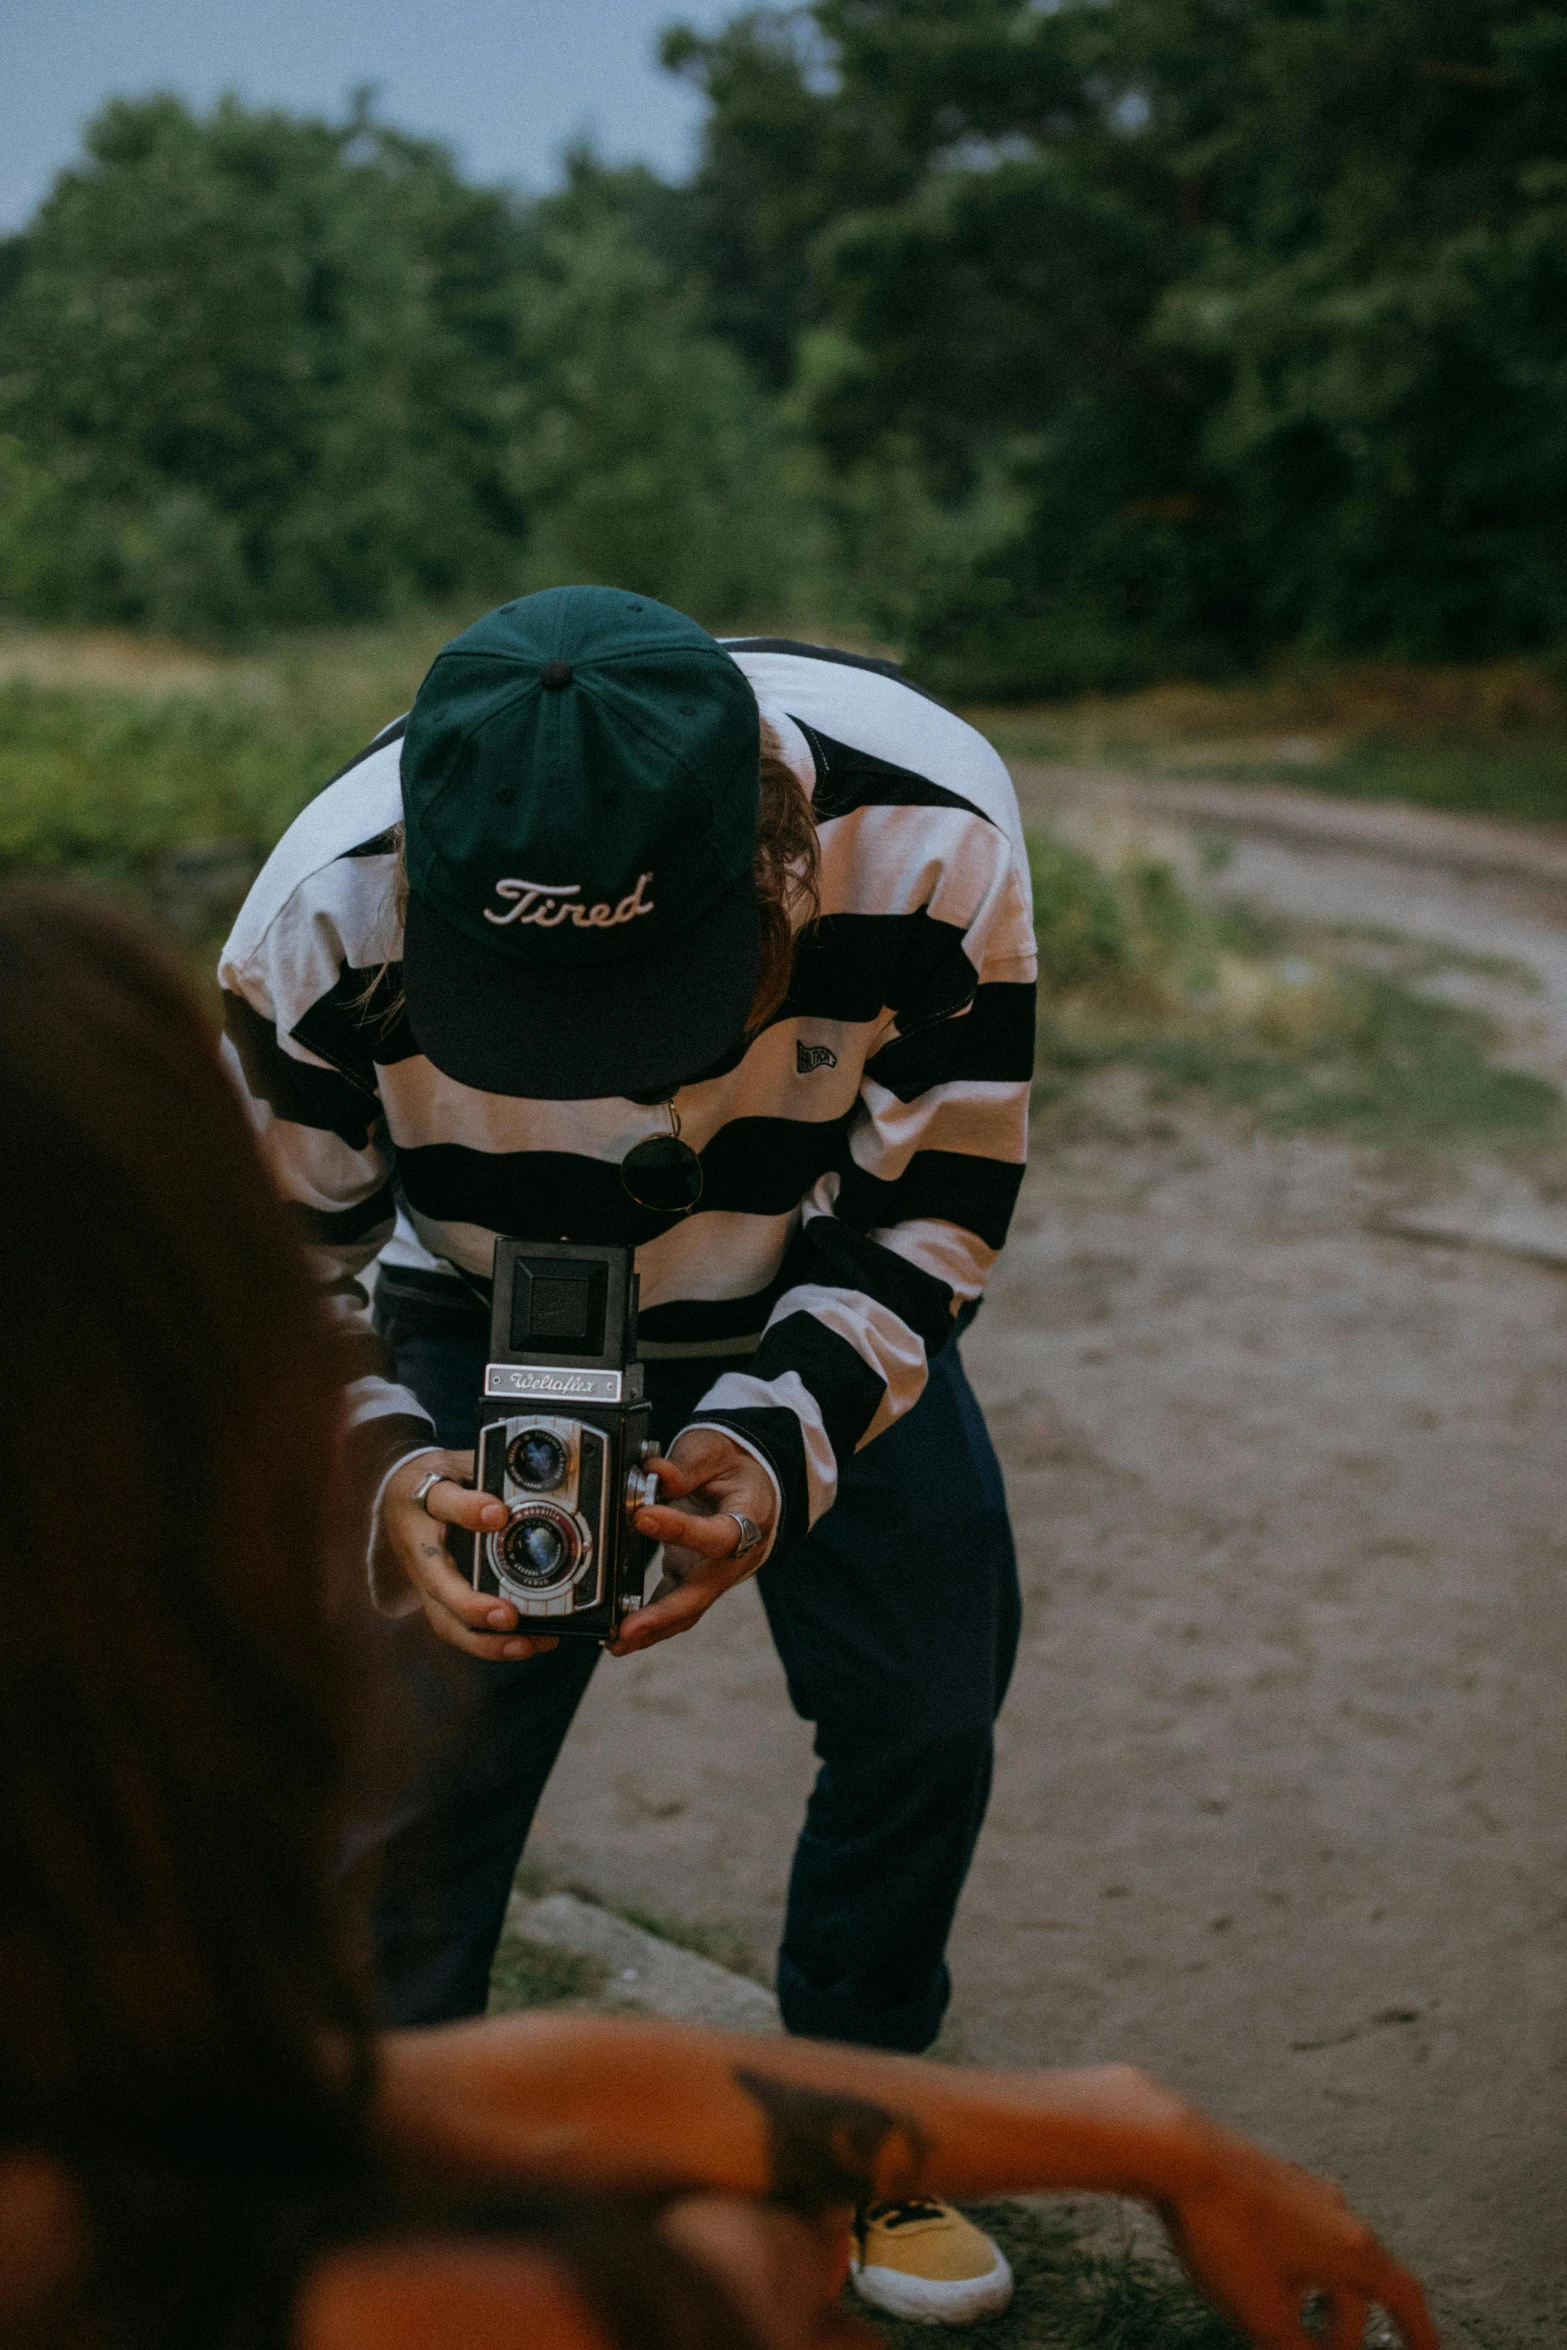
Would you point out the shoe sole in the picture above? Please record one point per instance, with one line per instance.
(934, 2301)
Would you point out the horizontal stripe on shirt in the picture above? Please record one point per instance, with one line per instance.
(993, 1040)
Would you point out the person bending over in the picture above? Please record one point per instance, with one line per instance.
(204, 2139)
(724, 952)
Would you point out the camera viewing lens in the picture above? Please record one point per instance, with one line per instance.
(537, 1460)
(664, 1174)
(538, 1548)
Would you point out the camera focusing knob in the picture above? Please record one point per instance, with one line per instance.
(641, 1483)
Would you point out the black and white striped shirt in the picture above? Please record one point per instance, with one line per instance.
(860, 1159)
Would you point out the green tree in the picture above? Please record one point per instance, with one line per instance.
(638, 443)
(256, 368)
(1254, 305)
(250, 369)
(1384, 297)
(1069, 342)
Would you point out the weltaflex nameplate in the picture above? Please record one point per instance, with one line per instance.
(560, 1380)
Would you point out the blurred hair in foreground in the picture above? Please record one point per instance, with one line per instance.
(175, 1710)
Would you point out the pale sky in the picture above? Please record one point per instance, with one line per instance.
(508, 82)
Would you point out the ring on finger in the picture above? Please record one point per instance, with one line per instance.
(421, 1492)
(750, 1533)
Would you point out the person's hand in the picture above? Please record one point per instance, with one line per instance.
(710, 1475)
(1259, 2236)
(782, 2273)
(414, 1532)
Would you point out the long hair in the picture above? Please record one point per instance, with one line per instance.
(175, 1689)
(786, 869)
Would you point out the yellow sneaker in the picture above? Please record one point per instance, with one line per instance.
(920, 2259)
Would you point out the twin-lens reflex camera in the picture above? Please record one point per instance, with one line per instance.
(563, 1440)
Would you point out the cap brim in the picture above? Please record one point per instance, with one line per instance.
(572, 1033)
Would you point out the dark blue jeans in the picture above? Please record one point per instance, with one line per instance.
(896, 1620)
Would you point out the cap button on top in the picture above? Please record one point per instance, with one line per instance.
(554, 675)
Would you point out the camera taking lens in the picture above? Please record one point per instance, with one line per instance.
(539, 1547)
(537, 1460)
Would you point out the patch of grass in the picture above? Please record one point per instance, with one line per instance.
(1424, 958)
(724, 1944)
(1075, 2295)
(103, 784)
(113, 752)
(1400, 1071)
(537, 1974)
(1136, 971)
(166, 775)
(1487, 740)
(1239, 929)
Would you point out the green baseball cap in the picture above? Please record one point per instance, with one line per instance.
(580, 777)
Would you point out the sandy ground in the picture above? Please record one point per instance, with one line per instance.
(1278, 1804)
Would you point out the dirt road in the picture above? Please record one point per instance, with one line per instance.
(1278, 1809)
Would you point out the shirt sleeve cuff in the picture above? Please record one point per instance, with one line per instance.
(764, 1550)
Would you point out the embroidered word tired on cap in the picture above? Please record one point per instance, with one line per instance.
(548, 903)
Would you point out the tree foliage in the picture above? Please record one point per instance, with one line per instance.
(246, 372)
(1071, 341)
(259, 368)
(1256, 304)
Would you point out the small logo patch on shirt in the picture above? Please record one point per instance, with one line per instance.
(813, 1056)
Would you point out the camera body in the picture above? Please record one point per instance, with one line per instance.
(563, 1440)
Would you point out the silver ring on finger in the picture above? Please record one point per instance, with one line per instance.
(750, 1533)
(421, 1492)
